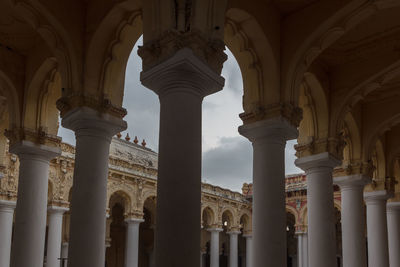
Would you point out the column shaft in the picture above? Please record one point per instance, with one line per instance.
(321, 223)
(55, 218)
(30, 214)
(269, 215)
(132, 242)
(249, 245)
(353, 220)
(378, 254)
(214, 247)
(88, 205)
(181, 83)
(6, 223)
(300, 249)
(233, 248)
(393, 222)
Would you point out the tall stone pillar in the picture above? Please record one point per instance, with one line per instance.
(55, 219)
(64, 254)
(302, 249)
(393, 221)
(269, 215)
(6, 223)
(233, 248)
(30, 214)
(378, 253)
(181, 82)
(93, 131)
(353, 219)
(132, 242)
(321, 222)
(249, 249)
(214, 246)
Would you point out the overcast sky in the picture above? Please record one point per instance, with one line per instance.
(227, 156)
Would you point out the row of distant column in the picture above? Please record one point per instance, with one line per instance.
(233, 248)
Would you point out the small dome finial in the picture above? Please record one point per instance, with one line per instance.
(127, 138)
(119, 135)
(136, 140)
(144, 143)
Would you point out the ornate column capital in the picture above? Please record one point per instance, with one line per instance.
(57, 210)
(351, 181)
(184, 71)
(317, 162)
(374, 197)
(215, 230)
(25, 148)
(8, 206)
(38, 140)
(233, 232)
(88, 121)
(332, 145)
(208, 50)
(301, 229)
(393, 207)
(276, 129)
(131, 220)
(71, 101)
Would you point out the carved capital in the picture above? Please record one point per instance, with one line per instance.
(38, 137)
(211, 51)
(70, 101)
(285, 110)
(334, 146)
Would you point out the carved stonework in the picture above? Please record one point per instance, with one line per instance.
(209, 50)
(334, 146)
(39, 136)
(287, 111)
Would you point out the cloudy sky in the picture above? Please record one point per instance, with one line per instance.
(227, 156)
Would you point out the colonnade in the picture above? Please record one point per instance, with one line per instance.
(182, 81)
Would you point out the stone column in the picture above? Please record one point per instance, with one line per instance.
(55, 218)
(132, 242)
(302, 249)
(378, 253)
(30, 214)
(249, 249)
(202, 257)
(181, 82)
(233, 248)
(321, 223)
(214, 246)
(93, 132)
(353, 219)
(269, 215)
(6, 223)
(393, 221)
(64, 254)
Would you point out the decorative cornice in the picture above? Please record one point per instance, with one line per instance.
(211, 51)
(70, 101)
(355, 168)
(285, 110)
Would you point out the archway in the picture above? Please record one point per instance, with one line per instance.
(146, 233)
(291, 240)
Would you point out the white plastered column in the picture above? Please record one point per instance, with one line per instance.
(181, 82)
(393, 221)
(55, 219)
(93, 132)
(320, 208)
(6, 223)
(353, 219)
(233, 248)
(214, 246)
(302, 249)
(378, 253)
(249, 248)
(269, 215)
(132, 242)
(30, 213)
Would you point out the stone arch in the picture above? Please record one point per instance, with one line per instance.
(8, 90)
(121, 197)
(246, 223)
(352, 150)
(228, 218)
(149, 204)
(379, 161)
(313, 100)
(56, 36)
(293, 211)
(109, 50)
(40, 111)
(208, 217)
(256, 58)
(342, 19)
